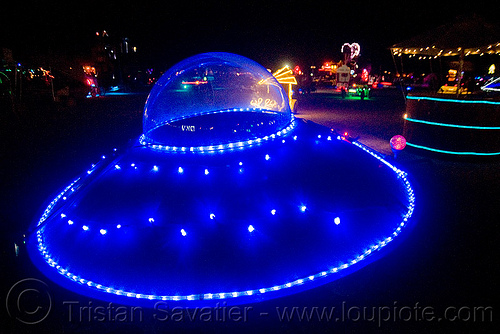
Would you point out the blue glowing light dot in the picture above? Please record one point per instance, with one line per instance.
(212, 216)
(103, 231)
(117, 167)
(267, 157)
(337, 220)
(85, 227)
(103, 157)
(251, 228)
(155, 168)
(241, 170)
(303, 208)
(294, 137)
(119, 226)
(70, 222)
(273, 212)
(132, 164)
(63, 215)
(319, 136)
(241, 163)
(207, 172)
(183, 232)
(180, 170)
(151, 220)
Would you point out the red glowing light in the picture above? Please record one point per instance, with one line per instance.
(398, 142)
(364, 75)
(346, 134)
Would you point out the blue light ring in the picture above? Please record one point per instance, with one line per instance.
(45, 254)
(147, 142)
(48, 210)
(74, 186)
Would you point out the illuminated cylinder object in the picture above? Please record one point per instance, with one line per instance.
(453, 126)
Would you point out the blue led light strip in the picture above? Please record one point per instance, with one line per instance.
(144, 140)
(52, 204)
(453, 125)
(452, 152)
(42, 248)
(410, 97)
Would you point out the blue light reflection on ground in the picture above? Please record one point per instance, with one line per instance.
(217, 256)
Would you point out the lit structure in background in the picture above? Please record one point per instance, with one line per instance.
(457, 119)
(350, 51)
(284, 76)
(221, 200)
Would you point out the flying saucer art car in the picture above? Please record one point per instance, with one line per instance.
(225, 196)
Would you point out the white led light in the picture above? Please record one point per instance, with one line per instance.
(251, 228)
(336, 220)
(303, 208)
(70, 222)
(180, 170)
(273, 212)
(103, 231)
(183, 232)
(207, 172)
(85, 227)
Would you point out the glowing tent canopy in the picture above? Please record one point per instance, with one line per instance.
(467, 36)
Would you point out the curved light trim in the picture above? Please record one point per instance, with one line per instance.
(145, 141)
(453, 125)
(410, 97)
(452, 152)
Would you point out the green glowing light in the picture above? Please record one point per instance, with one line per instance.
(452, 152)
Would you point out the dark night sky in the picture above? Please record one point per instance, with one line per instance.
(269, 32)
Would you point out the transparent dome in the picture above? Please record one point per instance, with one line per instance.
(215, 98)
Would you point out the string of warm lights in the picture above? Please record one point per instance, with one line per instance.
(432, 52)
